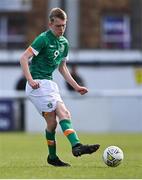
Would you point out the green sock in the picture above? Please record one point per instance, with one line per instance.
(50, 137)
(69, 132)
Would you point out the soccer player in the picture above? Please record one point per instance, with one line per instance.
(47, 52)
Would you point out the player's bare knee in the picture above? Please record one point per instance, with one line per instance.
(66, 114)
(62, 112)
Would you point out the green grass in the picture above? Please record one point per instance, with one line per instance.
(24, 156)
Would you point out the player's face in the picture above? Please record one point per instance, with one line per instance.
(58, 26)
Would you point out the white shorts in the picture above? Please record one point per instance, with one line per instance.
(46, 97)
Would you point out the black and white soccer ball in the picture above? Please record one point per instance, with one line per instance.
(113, 156)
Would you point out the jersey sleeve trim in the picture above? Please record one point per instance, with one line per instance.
(31, 49)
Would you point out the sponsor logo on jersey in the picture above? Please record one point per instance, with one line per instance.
(51, 46)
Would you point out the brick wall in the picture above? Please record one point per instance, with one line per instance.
(37, 19)
(90, 16)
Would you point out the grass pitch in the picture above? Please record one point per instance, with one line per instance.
(24, 156)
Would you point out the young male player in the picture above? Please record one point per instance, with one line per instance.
(50, 51)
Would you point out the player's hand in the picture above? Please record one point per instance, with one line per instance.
(82, 90)
(34, 84)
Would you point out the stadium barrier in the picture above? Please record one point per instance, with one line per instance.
(98, 111)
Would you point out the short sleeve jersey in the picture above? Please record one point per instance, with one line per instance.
(49, 52)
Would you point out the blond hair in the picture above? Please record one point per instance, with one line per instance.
(57, 13)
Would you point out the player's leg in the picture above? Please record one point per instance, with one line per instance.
(65, 122)
(50, 118)
(51, 121)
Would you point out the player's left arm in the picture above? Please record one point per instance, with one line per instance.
(63, 69)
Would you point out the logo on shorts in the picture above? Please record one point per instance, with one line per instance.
(50, 105)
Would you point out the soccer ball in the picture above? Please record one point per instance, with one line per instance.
(113, 156)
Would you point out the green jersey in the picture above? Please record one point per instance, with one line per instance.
(49, 52)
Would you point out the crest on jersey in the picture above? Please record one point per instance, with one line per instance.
(62, 47)
(50, 105)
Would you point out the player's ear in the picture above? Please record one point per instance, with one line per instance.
(49, 23)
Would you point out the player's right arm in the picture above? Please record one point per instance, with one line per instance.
(24, 61)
